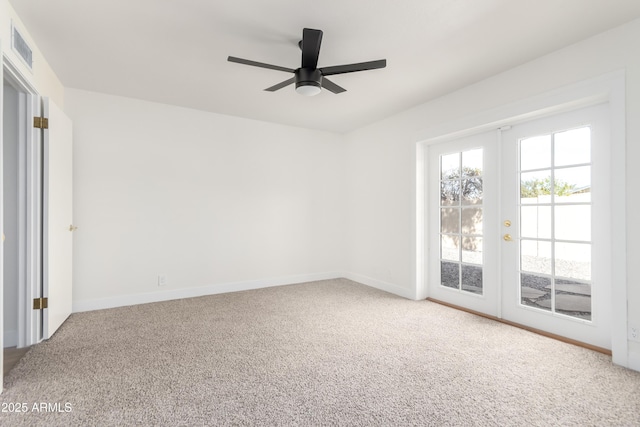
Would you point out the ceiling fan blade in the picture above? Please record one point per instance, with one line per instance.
(352, 68)
(311, 40)
(332, 87)
(260, 64)
(281, 85)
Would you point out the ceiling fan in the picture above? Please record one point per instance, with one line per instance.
(308, 78)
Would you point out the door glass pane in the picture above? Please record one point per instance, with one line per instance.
(573, 185)
(572, 147)
(450, 247)
(535, 187)
(450, 220)
(450, 166)
(535, 222)
(472, 163)
(450, 193)
(555, 216)
(535, 291)
(472, 221)
(450, 274)
(472, 279)
(461, 227)
(573, 222)
(535, 256)
(573, 260)
(472, 250)
(472, 191)
(573, 298)
(535, 153)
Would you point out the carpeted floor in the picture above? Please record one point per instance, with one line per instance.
(324, 353)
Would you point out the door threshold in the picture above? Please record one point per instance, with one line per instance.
(527, 328)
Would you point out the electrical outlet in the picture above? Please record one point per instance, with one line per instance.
(162, 280)
(634, 333)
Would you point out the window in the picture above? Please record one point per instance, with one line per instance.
(461, 217)
(555, 222)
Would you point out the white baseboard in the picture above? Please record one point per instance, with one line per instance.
(125, 300)
(379, 284)
(10, 339)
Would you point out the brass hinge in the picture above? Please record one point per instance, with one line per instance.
(41, 122)
(40, 303)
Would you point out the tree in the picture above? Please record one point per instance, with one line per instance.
(542, 187)
(456, 218)
(451, 187)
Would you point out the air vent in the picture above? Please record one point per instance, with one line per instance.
(21, 47)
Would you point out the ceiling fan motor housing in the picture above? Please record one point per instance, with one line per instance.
(308, 77)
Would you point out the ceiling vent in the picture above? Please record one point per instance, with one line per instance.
(21, 47)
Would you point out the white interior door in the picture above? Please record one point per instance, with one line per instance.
(58, 219)
(556, 261)
(462, 183)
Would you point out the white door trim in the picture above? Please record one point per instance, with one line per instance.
(1, 221)
(608, 88)
(29, 222)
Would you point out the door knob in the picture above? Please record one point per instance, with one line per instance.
(72, 227)
(507, 223)
(507, 237)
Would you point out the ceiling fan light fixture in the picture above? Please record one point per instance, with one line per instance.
(308, 88)
(308, 81)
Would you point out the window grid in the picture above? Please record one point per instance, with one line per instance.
(461, 215)
(562, 289)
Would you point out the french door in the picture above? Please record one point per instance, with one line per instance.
(464, 202)
(520, 224)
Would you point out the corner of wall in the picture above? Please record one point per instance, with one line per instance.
(382, 285)
(633, 361)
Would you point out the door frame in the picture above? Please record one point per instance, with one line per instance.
(609, 89)
(30, 173)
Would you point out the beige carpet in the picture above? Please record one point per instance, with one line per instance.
(324, 353)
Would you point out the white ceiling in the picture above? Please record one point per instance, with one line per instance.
(175, 52)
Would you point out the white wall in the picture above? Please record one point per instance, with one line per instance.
(10, 214)
(216, 203)
(381, 158)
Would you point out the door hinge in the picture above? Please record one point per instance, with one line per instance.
(41, 122)
(40, 303)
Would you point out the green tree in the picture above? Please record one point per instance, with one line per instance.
(542, 187)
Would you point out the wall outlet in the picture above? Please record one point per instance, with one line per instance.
(634, 333)
(162, 280)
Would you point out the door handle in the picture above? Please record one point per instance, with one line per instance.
(72, 227)
(507, 237)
